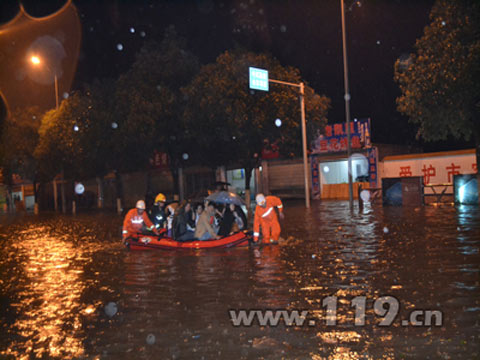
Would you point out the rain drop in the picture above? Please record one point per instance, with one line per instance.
(444, 23)
(378, 42)
(132, 30)
(150, 339)
(314, 256)
(111, 309)
(185, 156)
(142, 33)
(65, 95)
(76, 128)
(114, 125)
(283, 28)
(79, 189)
(278, 123)
(385, 230)
(119, 47)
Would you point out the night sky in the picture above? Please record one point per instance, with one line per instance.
(301, 33)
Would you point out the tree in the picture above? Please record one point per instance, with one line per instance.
(228, 122)
(151, 102)
(80, 138)
(439, 82)
(19, 140)
(56, 150)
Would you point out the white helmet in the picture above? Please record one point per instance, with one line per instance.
(140, 205)
(260, 199)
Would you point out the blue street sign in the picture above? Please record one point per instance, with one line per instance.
(258, 79)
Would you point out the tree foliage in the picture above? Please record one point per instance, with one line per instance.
(79, 138)
(439, 82)
(228, 122)
(150, 102)
(116, 125)
(19, 139)
(165, 102)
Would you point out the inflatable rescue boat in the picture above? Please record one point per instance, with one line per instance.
(162, 242)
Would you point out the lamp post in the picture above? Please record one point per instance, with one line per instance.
(347, 107)
(38, 61)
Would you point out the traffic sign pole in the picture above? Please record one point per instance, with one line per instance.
(257, 80)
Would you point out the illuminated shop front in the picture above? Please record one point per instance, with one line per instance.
(329, 162)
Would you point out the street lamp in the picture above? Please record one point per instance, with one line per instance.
(347, 107)
(37, 61)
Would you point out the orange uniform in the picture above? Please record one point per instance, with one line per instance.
(266, 217)
(133, 222)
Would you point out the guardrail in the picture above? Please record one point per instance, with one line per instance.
(439, 191)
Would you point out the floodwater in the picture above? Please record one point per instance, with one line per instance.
(58, 275)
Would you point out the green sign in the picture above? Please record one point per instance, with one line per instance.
(258, 79)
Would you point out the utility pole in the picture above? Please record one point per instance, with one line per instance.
(347, 108)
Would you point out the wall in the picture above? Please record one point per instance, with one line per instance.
(436, 168)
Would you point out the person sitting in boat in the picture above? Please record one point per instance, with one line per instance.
(184, 223)
(157, 213)
(240, 217)
(198, 212)
(204, 229)
(232, 221)
(170, 212)
(136, 221)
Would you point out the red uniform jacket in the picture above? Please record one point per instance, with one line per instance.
(133, 222)
(266, 214)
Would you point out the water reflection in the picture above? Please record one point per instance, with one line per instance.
(48, 298)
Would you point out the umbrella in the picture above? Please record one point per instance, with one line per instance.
(225, 197)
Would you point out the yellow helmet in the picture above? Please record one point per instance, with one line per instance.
(160, 198)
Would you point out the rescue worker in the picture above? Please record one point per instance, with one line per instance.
(136, 221)
(157, 213)
(266, 218)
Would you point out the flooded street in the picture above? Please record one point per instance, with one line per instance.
(69, 288)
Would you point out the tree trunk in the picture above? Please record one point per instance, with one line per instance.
(148, 189)
(55, 194)
(119, 191)
(62, 193)
(248, 175)
(99, 192)
(174, 172)
(35, 196)
(11, 202)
